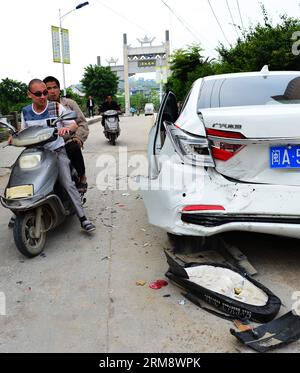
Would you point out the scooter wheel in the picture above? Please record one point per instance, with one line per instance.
(113, 139)
(24, 238)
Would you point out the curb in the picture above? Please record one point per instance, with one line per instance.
(94, 120)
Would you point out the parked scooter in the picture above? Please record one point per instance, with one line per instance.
(111, 125)
(33, 192)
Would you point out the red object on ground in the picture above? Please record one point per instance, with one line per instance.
(158, 284)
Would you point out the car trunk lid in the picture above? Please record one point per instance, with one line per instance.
(258, 144)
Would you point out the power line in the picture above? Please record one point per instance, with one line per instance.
(238, 5)
(187, 27)
(231, 16)
(180, 20)
(124, 17)
(218, 22)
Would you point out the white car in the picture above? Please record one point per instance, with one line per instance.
(230, 160)
(149, 109)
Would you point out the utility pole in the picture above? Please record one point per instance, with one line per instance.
(126, 76)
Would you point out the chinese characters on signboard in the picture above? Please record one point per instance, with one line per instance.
(56, 44)
(65, 45)
(146, 63)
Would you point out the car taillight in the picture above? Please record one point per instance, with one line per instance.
(192, 149)
(195, 208)
(224, 150)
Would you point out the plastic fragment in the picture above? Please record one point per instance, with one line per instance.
(158, 284)
(241, 326)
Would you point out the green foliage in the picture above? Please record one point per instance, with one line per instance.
(262, 45)
(81, 100)
(138, 101)
(99, 82)
(120, 98)
(13, 96)
(187, 65)
(154, 98)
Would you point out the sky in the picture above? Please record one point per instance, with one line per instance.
(97, 30)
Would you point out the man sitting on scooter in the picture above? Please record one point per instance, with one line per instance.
(74, 143)
(108, 104)
(41, 113)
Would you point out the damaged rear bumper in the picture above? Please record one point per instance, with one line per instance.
(271, 209)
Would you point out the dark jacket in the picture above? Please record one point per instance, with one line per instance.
(88, 103)
(109, 106)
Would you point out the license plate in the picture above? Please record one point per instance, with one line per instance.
(285, 156)
(21, 191)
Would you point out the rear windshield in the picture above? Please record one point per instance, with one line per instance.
(250, 90)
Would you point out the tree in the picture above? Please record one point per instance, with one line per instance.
(262, 45)
(186, 66)
(80, 100)
(154, 98)
(99, 82)
(13, 96)
(138, 101)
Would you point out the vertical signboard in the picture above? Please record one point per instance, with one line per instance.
(65, 45)
(55, 43)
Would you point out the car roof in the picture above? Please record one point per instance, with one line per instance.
(256, 73)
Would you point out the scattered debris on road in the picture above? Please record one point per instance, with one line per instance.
(158, 284)
(105, 258)
(277, 333)
(230, 292)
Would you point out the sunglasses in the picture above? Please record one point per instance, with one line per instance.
(39, 93)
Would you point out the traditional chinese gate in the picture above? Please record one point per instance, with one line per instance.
(144, 59)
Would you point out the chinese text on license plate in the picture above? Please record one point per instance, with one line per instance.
(285, 156)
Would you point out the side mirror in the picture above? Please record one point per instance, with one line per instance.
(70, 115)
(4, 124)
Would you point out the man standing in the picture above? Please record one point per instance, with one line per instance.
(40, 113)
(90, 106)
(74, 143)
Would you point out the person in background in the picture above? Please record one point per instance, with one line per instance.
(40, 113)
(74, 143)
(132, 110)
(90, 106)
(108, 104)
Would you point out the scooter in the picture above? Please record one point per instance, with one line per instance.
(111, 125)
(33, 192)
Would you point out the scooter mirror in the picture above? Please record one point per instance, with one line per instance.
(4, 124)
(70, 115)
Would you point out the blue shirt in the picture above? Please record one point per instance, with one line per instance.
(29, 118)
